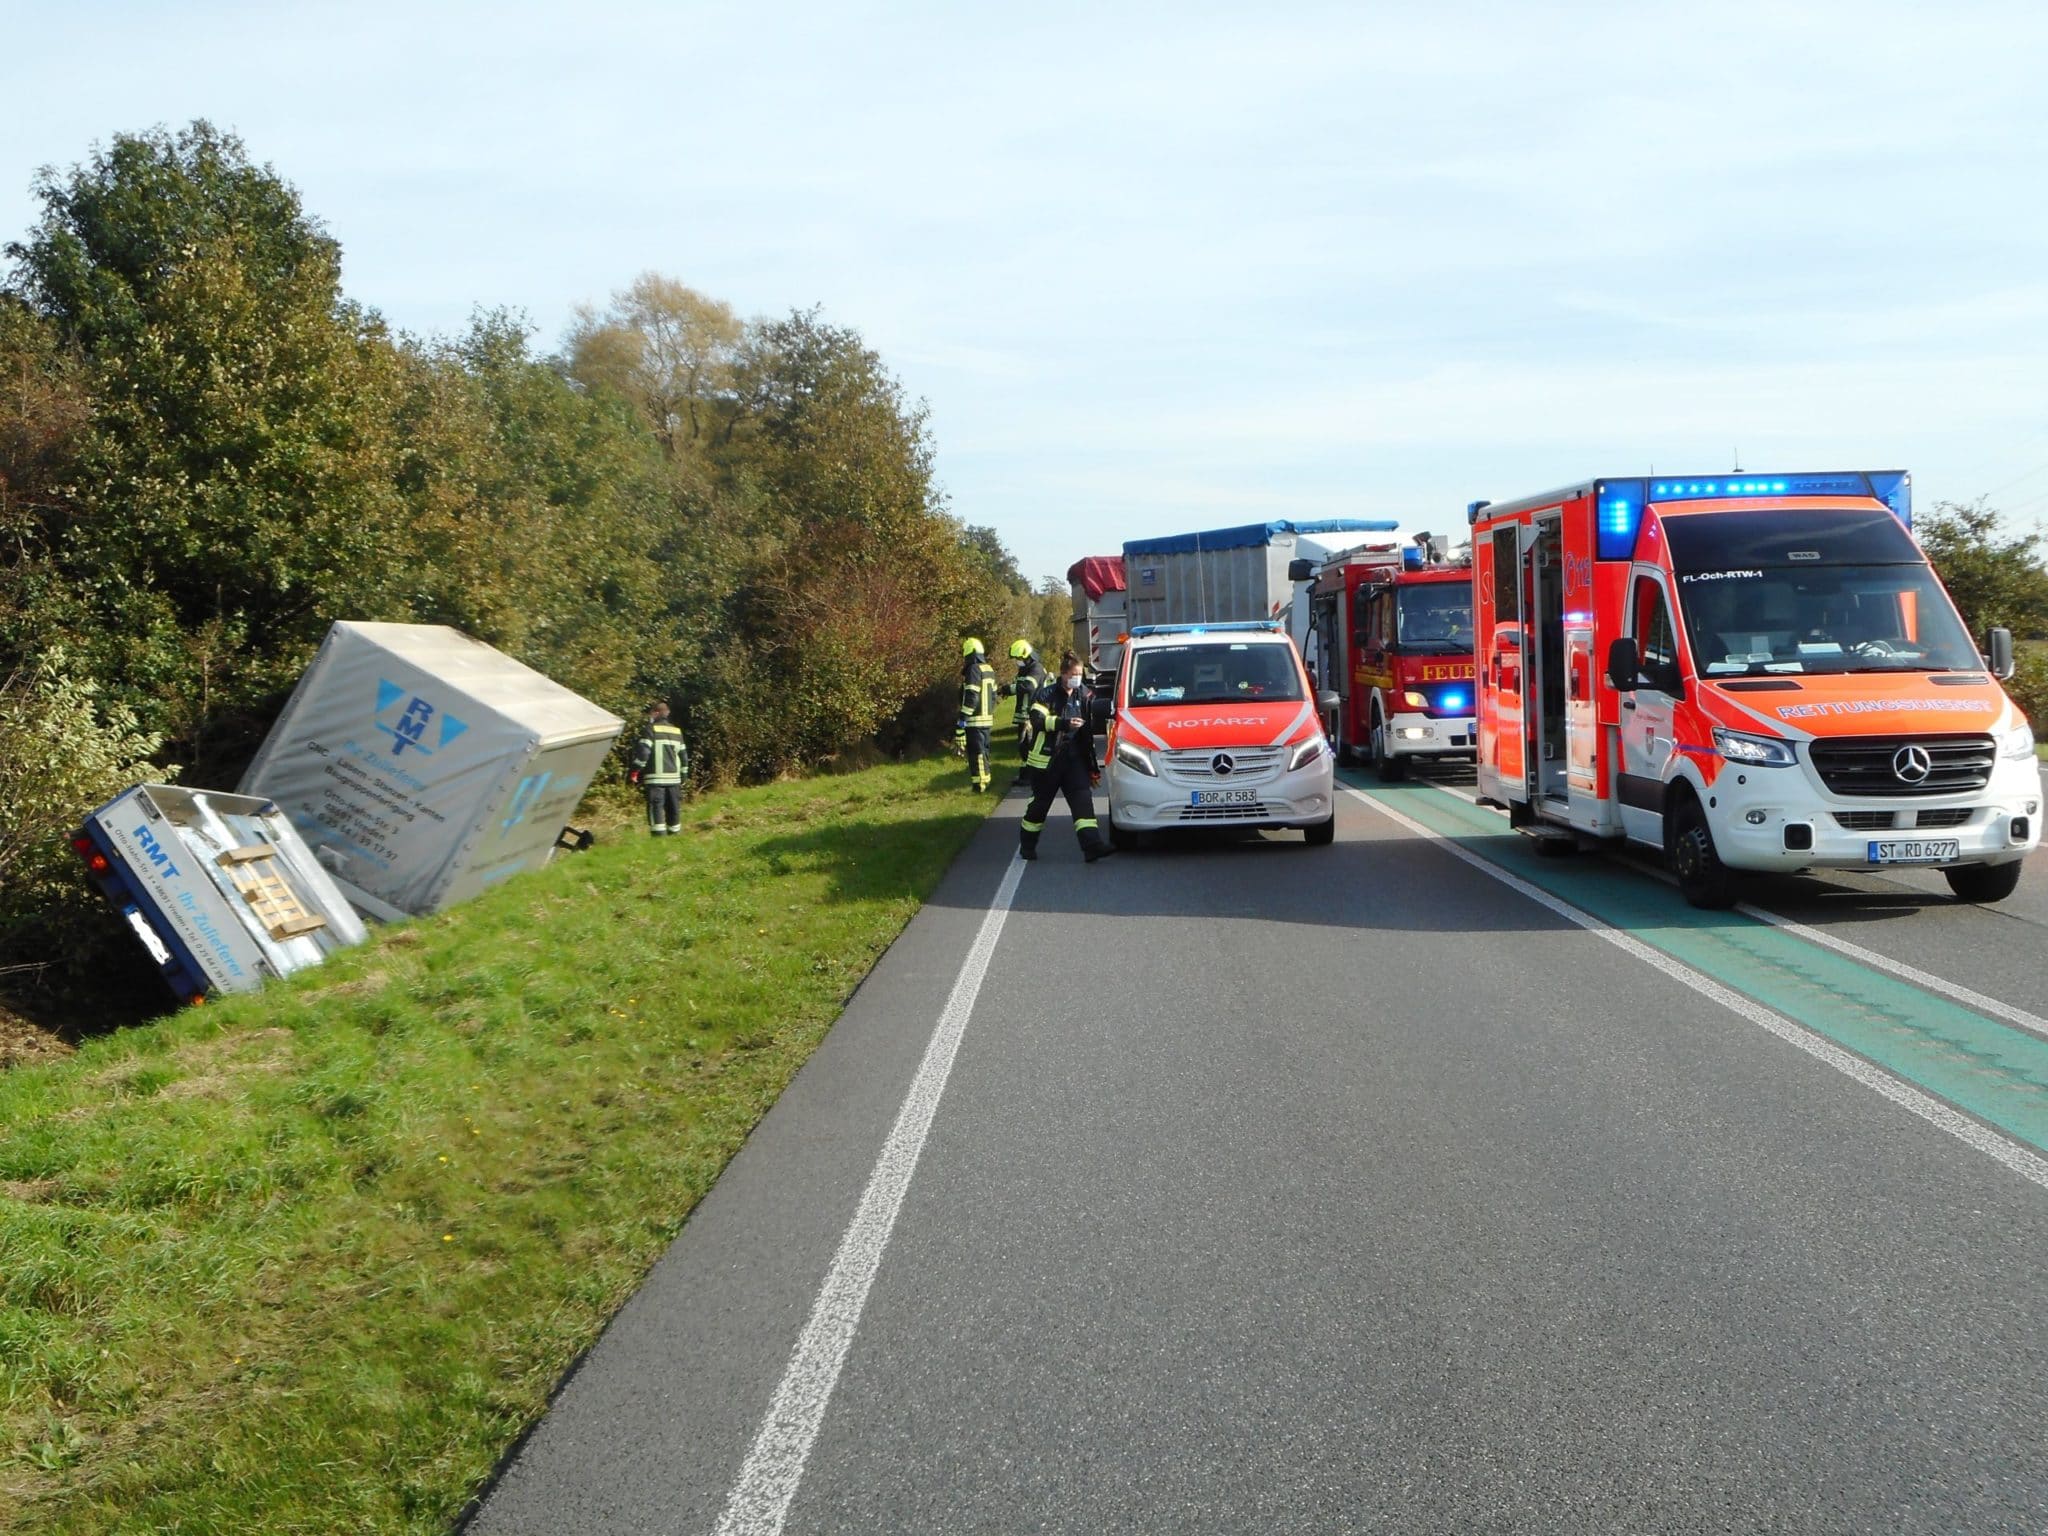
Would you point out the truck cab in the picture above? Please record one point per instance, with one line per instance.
(1747, 673)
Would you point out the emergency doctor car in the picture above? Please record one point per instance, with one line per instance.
(1748, 672)
(1215, 725)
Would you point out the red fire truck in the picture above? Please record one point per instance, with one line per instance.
(1391, 636)
(1745, 672)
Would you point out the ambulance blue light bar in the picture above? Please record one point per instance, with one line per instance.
(1620, 503)
(1262, 626)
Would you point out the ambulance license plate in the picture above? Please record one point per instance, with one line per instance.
(1223, 797)
(1918, 850)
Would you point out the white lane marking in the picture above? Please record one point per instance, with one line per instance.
(768, 1479)
(2027, 1165)
(2033, 1023)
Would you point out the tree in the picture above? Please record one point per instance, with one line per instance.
(1996, 577)
(665, 347)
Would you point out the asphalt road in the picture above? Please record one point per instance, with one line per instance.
(1351, 1189)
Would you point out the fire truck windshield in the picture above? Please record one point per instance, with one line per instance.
(1821, 618)
(1435, 618)
(1215, 674)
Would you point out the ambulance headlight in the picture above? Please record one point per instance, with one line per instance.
(2020, 744)
(1306, 753)
(1415, 700)
(1138, 758)
(1754, 751)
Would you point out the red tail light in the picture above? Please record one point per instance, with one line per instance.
(89, 851)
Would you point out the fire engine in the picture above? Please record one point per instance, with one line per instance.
(1391, 636)
(1746, 672)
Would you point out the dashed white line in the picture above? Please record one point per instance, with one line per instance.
(2026, 1164)
(768, 1479)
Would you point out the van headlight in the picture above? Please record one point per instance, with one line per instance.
(1753, 751)
(1306, 753)
(2020, 744)
(1138, 758)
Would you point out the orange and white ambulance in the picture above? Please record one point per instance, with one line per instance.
(1748, 672)
(1216, 725)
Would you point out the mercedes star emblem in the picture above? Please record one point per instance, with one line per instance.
(1912, 764)
(1223, 763)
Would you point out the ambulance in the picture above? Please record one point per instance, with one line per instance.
(1390, 633)
(1746, 672)
(1216, 725)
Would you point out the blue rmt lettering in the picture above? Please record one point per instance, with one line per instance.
(522, 799)
(406, 717)
(158, 858)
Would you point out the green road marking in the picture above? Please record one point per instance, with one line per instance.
(1988, 1069)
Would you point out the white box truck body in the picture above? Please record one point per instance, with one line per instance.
(1230, 575)
(422, 766)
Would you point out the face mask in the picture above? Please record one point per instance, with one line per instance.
(1070, 681)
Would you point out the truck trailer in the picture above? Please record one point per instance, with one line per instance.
(1230, 575)
(1097, 584)
(1745, 672)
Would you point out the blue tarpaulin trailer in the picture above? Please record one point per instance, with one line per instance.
(1230, 575)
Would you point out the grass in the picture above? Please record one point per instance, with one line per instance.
(310, 1261)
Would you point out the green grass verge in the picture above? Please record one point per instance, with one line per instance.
(311, 1260)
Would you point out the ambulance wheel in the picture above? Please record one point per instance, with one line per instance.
(1322, 834)
(1384, 763)
(1984, 882)
(1703, 879)
(1127, 838)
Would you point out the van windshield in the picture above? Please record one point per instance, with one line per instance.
(1822, 618)
(1214, 674)
(1435, 618)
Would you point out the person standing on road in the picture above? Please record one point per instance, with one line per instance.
(977, 712)
(660, 764)
(1024, 688)
(1063, 758)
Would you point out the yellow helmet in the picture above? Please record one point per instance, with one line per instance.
(1019, 649)
(971, 647)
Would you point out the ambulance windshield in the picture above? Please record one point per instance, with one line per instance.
(1807, 618)
(1435, 618)
(1230, 673)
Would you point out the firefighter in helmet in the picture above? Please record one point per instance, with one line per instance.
(977, 712)
(660, 765)
(1062, 760)
(1024, 687)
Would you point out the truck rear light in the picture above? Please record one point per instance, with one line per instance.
(1798, 837)
(89, 851)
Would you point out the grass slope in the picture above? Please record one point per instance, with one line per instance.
(309, 1261)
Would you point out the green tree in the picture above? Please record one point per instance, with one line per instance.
(1996, 576)
(665, 347)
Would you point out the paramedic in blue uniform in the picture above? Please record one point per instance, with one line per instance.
(1062, 757)
(660, 764)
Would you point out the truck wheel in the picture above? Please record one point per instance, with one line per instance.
(1703, 879)
(1322, 834)
(1384, 763)
(1984, 882)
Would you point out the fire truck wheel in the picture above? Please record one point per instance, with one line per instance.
(1321, 835)
(1703, 879)
(1385, 763)
(1984, 882)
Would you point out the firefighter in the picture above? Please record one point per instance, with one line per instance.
(1062, 757)
(660, 765)
(977, 712)
(1024, 688)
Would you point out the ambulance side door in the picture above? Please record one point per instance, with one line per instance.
(1647, 710)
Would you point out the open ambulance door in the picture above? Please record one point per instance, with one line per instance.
(1497, 580)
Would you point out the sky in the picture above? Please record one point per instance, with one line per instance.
(1158, 268)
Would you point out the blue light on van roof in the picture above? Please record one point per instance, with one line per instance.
(1892, 487)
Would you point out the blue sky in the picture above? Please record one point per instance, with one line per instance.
(1158, 268)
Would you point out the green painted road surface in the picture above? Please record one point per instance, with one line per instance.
(1988, 1069)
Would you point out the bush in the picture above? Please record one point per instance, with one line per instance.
(2029, 688)
(63, 750)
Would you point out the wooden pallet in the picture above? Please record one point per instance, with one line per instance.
(253, 870)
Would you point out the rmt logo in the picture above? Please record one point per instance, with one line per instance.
(159, 859)
(413, 723)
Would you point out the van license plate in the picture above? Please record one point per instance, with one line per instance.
(1919, 850)
(1223, 797)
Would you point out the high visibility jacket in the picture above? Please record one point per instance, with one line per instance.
(977, 697)
(1050, 732)
(659, 755)
(1030, 678)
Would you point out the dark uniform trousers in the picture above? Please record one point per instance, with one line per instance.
(1067, 774)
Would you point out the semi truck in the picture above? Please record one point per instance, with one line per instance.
(1231, 575)
(1390, 634)
(1746, 673)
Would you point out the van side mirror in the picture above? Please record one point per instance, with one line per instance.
(1327, 700)
(1624, 665)
(1301, 570)
(2001, 653)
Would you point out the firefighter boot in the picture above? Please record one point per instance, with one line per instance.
(1093, 844)
(1027, 839)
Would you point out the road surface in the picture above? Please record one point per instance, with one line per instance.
(1242, 1186)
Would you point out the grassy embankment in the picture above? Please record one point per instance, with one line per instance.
(310, 1260)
